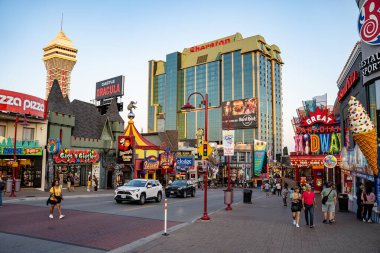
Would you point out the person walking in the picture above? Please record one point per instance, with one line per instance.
(284, 194)
(359, 202)
(95, 183)
(68, 183)
(2, 187)
(368, 198)
(296, 206)
(72, 182)
(328, 203)
(278, 189)
(55, 199)
(89, 179)
(266, 189)
(308, 203)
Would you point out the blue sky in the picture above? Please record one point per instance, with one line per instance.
(120, 37)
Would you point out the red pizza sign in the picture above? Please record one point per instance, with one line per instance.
(15, 102)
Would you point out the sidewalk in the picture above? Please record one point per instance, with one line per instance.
(266, 226)
(36, 194)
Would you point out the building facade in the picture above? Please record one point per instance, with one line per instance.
(226, 69)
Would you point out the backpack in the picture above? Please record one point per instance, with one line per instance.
(2, 186)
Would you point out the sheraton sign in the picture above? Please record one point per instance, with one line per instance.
(210, 45)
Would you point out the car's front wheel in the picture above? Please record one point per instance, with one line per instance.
(185, 194)
(159, 197)
(193, 193)
(142, 199)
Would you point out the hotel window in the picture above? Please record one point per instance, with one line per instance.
(2, 131)
(242, 157)
(28, 134)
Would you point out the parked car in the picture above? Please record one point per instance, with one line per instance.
(182, 188)
(139, 190)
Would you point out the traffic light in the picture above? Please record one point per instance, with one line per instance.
(205, 149)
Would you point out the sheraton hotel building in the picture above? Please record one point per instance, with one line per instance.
(226, 69)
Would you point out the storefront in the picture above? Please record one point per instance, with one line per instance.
(81, 163)
(29, 169)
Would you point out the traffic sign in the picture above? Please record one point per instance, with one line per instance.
(205, 149)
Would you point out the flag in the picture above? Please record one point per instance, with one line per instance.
(321, 101)
(309, 106)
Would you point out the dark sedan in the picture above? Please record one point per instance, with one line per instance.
(182, 188)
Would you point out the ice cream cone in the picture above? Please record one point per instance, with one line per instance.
(368, 145)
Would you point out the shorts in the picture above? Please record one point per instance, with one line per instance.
(328, 207)
(266, 190)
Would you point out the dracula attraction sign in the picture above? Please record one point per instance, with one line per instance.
(113, 87)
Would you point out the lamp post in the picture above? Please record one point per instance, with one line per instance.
(14, 164)
(188, 107)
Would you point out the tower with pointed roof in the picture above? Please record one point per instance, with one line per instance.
(60, 56)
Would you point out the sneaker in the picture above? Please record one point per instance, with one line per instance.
(369, 221)
(312, 226)
(364, 220)
(297, 225)
(330, 222)
(325, 221)
(61, 216)
(51, 216)
(294, 222)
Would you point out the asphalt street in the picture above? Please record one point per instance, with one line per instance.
(96, 223)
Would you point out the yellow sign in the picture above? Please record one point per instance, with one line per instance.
(205, 149)
(14, 164)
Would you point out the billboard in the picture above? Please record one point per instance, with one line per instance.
(239, 114)
(125, 153)
(259, 155)
(16, 102)
(113, 87)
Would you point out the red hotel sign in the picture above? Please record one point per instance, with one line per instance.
(210, 45)
(350, 81)
(15, 102)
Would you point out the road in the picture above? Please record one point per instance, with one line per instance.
(97, 223)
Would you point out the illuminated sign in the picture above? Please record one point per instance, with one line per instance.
(368, 22)
(21, 151)
(317, 129)
(319, 116)
(15, 102)
(150, 163)
(166, 160)
(76, 156)
(113, 87)
(318, 143)
(210, 45)
(350, 81)
(126, 149)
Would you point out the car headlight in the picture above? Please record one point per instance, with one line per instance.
(180, 188)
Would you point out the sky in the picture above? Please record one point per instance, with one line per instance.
(119, 37)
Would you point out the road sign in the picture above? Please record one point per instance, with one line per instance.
(205, 149)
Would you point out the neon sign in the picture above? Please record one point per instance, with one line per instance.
(210, 45)
(319, 116)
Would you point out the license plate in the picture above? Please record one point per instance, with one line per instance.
(123, 196)
(171, 192)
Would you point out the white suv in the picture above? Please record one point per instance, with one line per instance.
(139, 190)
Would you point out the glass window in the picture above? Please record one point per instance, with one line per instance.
(2, 130)
(28, 134)
(242, 156)
(237, 75)
(227, 77)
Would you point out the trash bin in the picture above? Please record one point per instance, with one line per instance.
(17, 185)
(9, 185)
(247, 196)
(343, 202)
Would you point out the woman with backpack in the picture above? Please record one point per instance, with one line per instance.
(368, 198)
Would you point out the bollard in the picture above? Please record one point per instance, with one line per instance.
(166, 217)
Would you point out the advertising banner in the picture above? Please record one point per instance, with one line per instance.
(228, 142)
(259, 155)
(185, 161)
(113, 87)
(150, 163)
(21, 151)
(126, 149)
(16, 102)
(239, 114)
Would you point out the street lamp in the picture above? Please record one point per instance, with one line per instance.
(15, 164)
(188, 107)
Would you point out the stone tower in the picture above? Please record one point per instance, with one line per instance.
(60, 56)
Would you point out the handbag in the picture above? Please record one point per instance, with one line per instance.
(325, 198)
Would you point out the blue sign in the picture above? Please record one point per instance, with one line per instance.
(185, 161)
(378, 190)
(259, 156)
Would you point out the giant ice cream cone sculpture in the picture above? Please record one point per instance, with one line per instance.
(363, 132)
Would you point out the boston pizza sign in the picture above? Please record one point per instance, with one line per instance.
(369, 22)
(16, 102)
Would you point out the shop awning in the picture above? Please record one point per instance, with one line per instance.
(141, 142)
